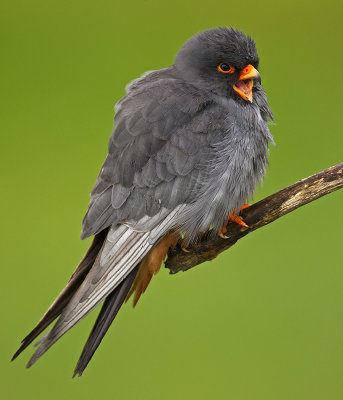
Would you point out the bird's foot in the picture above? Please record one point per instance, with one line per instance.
(222, 231)
(237, 220)
(233, 217)
(184, 245)
(246, 205)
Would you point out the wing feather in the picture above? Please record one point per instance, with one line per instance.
(154, 148)
(66, 294)
(121, 252)
(107, 314)
(115, 261)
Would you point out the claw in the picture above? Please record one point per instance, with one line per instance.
(184, 244)
(236, 218)
(233, 218)
(221, 233)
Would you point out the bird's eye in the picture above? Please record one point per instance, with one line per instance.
(225, 68)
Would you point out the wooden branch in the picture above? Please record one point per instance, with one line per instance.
(259, 214)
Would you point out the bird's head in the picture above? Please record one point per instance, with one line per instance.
(223, 60)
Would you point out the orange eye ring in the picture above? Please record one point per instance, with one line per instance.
(226, 68)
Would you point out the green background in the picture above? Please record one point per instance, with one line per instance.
(262, 321)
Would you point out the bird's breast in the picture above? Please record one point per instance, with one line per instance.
(235, 166)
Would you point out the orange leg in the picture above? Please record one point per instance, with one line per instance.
(233, 217)
(236, 218)
(246, 205)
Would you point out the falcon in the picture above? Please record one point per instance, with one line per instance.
(189, 146)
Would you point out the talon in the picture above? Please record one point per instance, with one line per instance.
(237, 220)
(184, 244)
(233, 218)
(221, 232)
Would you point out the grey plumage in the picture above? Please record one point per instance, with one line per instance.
(107, 314)
(174, 138)
(67, 293)
(185, 151)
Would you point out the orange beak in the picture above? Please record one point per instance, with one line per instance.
(246, 82)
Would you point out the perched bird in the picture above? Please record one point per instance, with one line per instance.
(190, 144)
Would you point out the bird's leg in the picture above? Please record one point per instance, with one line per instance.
(233, 217)
(223, 230)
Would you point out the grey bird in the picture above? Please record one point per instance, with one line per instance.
(189, 146)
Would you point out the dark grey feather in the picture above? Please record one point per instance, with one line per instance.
(120, 194)
(185, 151)
(137, 147)
(106, 316)
(67, 293)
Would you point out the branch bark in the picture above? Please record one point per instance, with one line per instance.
(258, 215)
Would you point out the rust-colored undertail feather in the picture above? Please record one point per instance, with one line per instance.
(150, 265)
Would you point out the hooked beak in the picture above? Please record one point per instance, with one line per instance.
(246, 82)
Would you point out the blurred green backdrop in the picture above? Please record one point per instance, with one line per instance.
(263, 321)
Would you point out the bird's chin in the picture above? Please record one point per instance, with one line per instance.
(244, 88)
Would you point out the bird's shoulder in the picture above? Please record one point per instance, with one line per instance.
(159, 113)
(158, 146)
(161, 90)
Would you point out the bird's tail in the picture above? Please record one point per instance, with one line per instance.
(105, 318)
(110, 274)
(67, 293)
(107, 271)
(135, 283)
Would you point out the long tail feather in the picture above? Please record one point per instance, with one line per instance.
(122, 250)
(106, 316)
(112, 258)
(67, 293)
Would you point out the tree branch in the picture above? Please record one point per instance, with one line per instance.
(259, 214)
